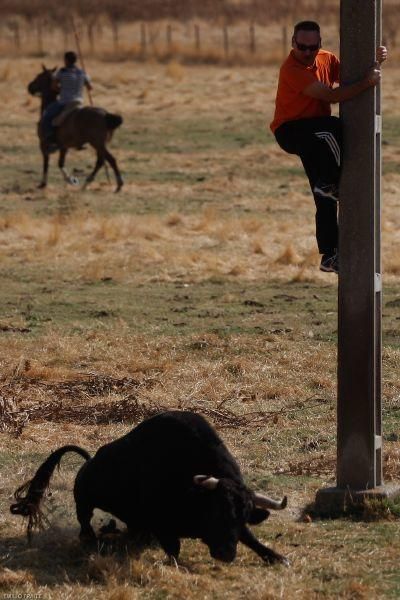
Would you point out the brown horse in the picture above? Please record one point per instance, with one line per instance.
(88, 125)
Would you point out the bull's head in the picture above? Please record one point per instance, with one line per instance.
(228, 506)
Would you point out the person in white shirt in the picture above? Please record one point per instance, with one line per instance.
(70, 82)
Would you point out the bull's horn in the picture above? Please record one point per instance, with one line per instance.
(210, 483)
(264, 502)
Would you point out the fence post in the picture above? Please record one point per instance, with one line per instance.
(284, 41)
(143, 39)
(65, 31)
(197, 42)
(252, 38)
(14, 26)
(39, 35)
(226, 41)
(169, 37)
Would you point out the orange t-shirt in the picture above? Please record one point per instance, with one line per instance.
(291, 104)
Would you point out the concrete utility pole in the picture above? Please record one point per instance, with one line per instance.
(359, 451)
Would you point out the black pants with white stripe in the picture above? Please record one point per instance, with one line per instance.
(317, 142)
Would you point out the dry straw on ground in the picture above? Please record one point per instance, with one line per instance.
(196, 288)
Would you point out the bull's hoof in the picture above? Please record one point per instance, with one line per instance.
(276, 559)
(110, 529)
(42, 185)
(285, 561)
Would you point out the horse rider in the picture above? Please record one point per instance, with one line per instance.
(69, 83)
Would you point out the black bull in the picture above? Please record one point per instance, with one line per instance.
(171, 477)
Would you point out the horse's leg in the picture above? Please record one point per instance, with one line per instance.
(45, 154)
(98, 165)
(110, 159)
(61, 162)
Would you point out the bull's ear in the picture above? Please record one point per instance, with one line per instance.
(44, 67)
(258, 515)
(210, 483)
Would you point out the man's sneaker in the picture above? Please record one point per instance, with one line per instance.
(328, 190)
(330, 263)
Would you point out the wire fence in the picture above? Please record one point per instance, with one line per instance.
(190, 42)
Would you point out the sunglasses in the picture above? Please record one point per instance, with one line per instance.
(304, 47)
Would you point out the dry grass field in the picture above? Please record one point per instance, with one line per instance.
(197, 287)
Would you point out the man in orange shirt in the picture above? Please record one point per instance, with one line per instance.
(303, 124)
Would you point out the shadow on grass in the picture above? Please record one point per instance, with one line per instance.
(369, 510)
(56, 556)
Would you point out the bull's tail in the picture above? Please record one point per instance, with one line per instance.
(113, 121)
(30, 494)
